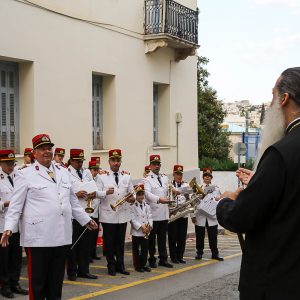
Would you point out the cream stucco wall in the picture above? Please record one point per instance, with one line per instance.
(57, 56)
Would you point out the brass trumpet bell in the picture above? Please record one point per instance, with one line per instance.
(89, 210)
(124, 199)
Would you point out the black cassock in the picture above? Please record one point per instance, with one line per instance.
(268, 212)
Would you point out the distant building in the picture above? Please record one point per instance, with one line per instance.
(238, 134)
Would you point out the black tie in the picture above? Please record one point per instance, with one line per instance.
(141, 206)
(79, 174)
(116, 178)
(158, 178)
(10, 180)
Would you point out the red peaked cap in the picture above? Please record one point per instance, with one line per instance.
(40, 140)
(141, 186)
(96, 158)
(115, 153)
(28, 151)
(60, 151)
(154, 158)
(147, 168)
(77, 154)
(93, 165)
(7, 155)
(178, 169)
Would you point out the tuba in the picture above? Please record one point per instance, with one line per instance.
(189, 205)
(126, 197)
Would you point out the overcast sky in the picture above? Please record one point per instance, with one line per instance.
(249, 43)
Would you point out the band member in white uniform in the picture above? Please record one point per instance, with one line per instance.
(202, 220)
(115, 184)
(44, 197)
(28, 159)
(94, 169)
(141, 224)
(59, 155)
(156, 190)
(11, 256)
(177, 230)
(79, 258)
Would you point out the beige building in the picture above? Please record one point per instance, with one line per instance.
(99, 74)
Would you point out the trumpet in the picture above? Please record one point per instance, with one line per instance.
(126, 197)
(89, 209)
(148, 226)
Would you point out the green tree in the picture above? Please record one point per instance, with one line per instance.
(262, 113)
(213, 141)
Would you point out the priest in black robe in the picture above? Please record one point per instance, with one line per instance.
(267, 211)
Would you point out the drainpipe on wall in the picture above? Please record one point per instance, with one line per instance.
(178, 119)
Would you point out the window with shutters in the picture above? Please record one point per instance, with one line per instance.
(9, 106)
(97, 103)
(155, 114)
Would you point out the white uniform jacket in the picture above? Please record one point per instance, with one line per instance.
(154, 191)
(75, 181)
(180, 199)
(46, 206)
(6, 190)
(123, 212)
(140, 215)
(200, 217)
(62, 165)
(97, 200)
(23, 166)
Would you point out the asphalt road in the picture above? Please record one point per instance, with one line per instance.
(204, 279)
(223, 288)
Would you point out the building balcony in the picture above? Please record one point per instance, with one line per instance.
(170, 24)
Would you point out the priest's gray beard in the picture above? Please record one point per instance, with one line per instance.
(273, 129)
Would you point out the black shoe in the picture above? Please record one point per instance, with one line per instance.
(87, 275)
(174, 261)
(123, 271)
(198, 257)
(217, 258)
(72, 277)
(147, 269)
(165, 264)
(141, 270)
(111, 272)
(153, 264)
(97, 257)
(182, 261)
(7, 292)
(18, 290)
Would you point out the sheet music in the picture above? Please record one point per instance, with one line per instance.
(89, 186)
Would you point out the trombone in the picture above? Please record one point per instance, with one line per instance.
(126, 197)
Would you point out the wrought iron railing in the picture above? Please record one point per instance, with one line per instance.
(170, 17)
